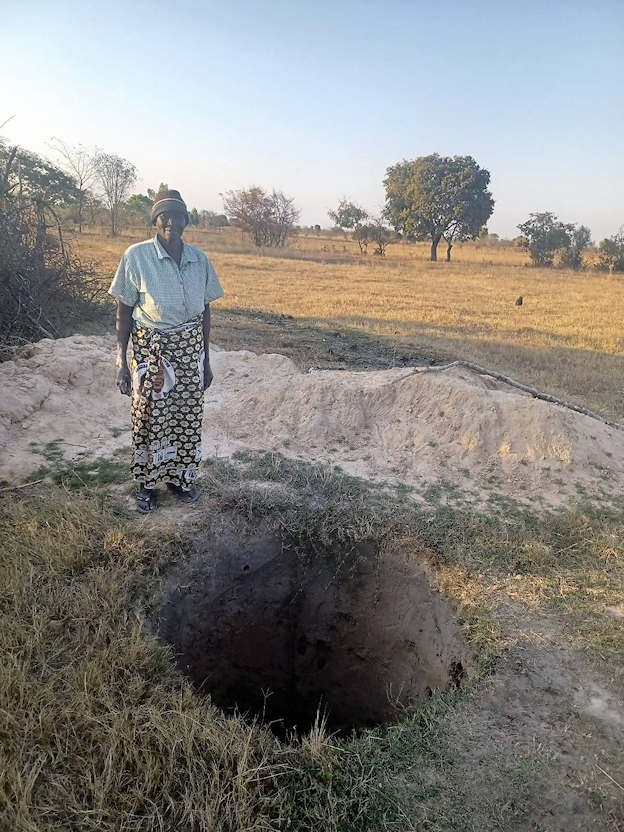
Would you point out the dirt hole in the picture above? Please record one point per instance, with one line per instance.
(259, 628)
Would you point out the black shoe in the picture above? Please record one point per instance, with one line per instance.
(190, 495)
(146, 500)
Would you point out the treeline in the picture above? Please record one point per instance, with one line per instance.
(435, 198)
(446, 198)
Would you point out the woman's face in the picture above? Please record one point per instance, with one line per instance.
(170, 225)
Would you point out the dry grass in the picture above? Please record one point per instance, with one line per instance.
(98, 730)
(565, 339)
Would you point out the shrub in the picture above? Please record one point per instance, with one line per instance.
(611, 253)
(43, 285)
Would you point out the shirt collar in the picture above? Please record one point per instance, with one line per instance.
(188, 253)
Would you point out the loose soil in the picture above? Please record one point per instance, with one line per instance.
(474, 438)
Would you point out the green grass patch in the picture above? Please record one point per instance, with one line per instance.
(82, 471)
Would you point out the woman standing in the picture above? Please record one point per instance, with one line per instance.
(164, 288)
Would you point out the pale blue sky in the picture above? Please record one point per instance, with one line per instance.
(318, 99)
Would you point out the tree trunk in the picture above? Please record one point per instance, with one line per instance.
(434, 246)
(449, 246)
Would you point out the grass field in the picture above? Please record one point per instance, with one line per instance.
(566, 339)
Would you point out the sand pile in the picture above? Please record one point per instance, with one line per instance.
(468, 430)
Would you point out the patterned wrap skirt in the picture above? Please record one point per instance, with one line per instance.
(167, 403)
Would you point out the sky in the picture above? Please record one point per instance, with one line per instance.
(318, 99)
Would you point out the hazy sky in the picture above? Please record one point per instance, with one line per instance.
(319, 98)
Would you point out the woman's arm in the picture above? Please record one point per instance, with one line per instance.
(206, 326)
(123, 327)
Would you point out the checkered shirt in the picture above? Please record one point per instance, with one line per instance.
(164, 295)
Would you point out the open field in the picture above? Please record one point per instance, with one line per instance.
(566, 339)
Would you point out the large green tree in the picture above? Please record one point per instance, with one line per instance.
(435, 196)
(35, 184)
(543, 234)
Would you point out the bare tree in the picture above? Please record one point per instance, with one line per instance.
(115, 175)
(268, 218)
(81, 166)
(380, 234)
(283, 217)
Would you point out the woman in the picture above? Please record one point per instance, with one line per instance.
(164, 288)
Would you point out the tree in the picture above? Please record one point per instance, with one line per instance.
(194, 217)
(284, 215)
(212, 219)
(152, 194)
(347, 215)
(80, 164)
(375, 231)
(572, 255)
(25, 174)
(380, 234)
(362, 234)
(141, 206)
(438, 196)
(611, 252)
(115, 175)
(269, 218)
(542, 235)
(35, 185)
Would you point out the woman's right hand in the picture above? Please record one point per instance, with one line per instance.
(123, 380)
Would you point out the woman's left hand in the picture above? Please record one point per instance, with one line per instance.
(207, 376)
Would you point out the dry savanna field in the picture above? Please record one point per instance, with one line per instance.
(140, 653)
(566, 339)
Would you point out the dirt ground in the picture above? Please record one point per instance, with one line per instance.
(311, 346)
(477, 440)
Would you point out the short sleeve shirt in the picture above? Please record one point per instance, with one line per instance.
(163, 294)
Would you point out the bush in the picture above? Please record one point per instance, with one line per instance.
(611, 253)
(572, 256)
(43, 286)
(543, 235)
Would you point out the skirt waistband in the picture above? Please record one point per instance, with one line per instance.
(187, 325)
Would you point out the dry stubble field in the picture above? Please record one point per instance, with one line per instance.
(566, 339)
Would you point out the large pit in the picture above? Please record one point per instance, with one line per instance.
(261, 628)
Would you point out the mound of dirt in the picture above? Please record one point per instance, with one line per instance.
(465, 430)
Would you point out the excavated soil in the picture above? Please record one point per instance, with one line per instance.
(273, 632)
(466, 430)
